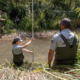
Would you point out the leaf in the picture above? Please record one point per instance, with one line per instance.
(79, 15)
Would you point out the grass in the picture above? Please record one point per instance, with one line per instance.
(40, 71)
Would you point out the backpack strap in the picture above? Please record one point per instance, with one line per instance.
(66, 41)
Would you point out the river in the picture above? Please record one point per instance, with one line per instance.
(41, 46)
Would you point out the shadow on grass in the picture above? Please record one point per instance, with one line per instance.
(63, 68)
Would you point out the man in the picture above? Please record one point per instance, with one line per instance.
(1, 19)
(17, 20)
(64, 45)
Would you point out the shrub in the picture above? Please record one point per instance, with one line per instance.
(7, 24)
(46, 16)
(26, 23)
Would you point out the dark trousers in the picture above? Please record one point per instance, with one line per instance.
(18, 63)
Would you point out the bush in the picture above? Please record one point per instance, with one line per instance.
(26, 23)
(46, 16)
(7, 24)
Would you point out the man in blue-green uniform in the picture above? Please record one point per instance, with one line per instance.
(64, 45)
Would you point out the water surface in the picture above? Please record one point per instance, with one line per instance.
(41, 46)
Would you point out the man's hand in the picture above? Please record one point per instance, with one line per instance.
(50, 57)
(49, 65)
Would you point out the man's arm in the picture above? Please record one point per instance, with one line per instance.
(50, 57)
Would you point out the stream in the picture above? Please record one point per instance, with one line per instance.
(40, 45)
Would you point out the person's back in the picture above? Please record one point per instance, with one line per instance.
(66, 50)
(64, 45)
(17, 53)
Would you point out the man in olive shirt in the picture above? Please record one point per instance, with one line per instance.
(64, 45)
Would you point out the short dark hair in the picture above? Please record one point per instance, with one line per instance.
(66, 22)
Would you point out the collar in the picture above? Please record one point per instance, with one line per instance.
(15, 45)
(65, 31)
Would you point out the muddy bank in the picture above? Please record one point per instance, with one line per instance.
(44, 34)
(29, 34)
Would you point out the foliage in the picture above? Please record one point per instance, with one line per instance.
(47, 13)
(78, 11)
(26, 23)
(7, 24)
(78, 51)
(40, 71)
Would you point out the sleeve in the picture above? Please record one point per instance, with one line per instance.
(53, 44)
(19, 48)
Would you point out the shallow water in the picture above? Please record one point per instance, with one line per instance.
(41, 46)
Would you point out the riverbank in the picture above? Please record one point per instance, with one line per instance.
(39, 35)
(29, 34)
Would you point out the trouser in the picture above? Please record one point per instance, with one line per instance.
(18, 63)
(0, 26)
(64, 62)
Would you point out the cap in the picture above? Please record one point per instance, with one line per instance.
(16, 39)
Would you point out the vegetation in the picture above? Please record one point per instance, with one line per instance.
(47, 14)
(40, 70)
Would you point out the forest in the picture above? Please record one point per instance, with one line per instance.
(47, 14)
